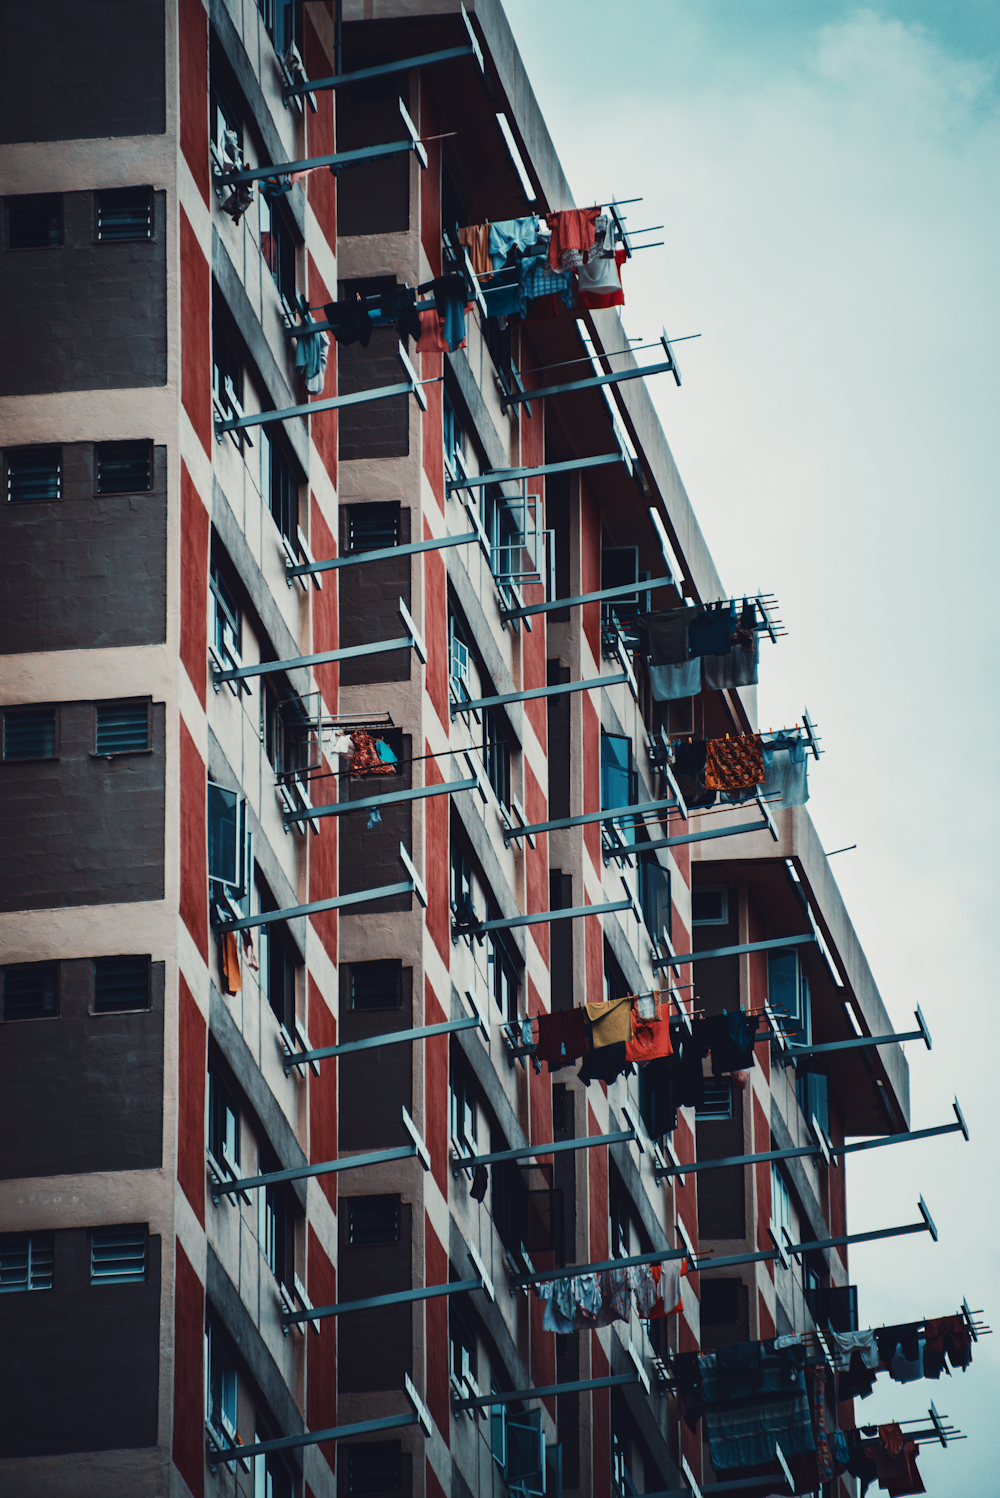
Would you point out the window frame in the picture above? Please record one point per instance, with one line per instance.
(225, 612)
(129, 1008)
(125, 238)
(108, 1234)
(41, 448)
(26, 1018)
(42, 1243)
(715, 920)
(223, 1105)
(24, 710)
(121, 703)
(140, 442)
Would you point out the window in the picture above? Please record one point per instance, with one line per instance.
(460, 657)
(526, 1452)
(125, 213)
(781, 1204)
(618, 779)
(118, 1255)
(227, 374)
(26, 1261)
(376, 985)
(221, 1384)
(813, 1094)
(462, 902)
(372, 527)
(373, 1466)
(227, 619)
(462, 1120)
(710, 905)
(228, 839)
(619, 1463)
(31, 992)
(34, 474)
(788, 990)
(372, 1220)
(279, 21)
(279, 490)
(274, 1230)
(654, 895)
(277, 971)
(124, 467)
(120, 984)
(496, 756)
(618, 1231)
(717, 1100)
(223, 1123)
(720, 1302)
(271, 1478)
(224, 121)
(501, 976)
(122, 728)
(29, 733)
(34, 222)
(454, 441)
(462, 1343)
(277, 248)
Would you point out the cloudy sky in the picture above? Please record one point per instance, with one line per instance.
(827, 176)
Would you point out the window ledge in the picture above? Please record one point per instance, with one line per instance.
(117, 753)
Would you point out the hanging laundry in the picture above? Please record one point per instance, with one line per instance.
(670, 683)
(476, 239)
(611, 1022)
(605, 1064)
(905, 1339)
(599, 281)
(374, 818)
(573, 234)
(690, 758)
(647, 1006)
(539, 280)
(432, 339)
(250, 951)
(848, 1343)
(946, 1334)
(743, 1431)
(451, 298)
(906, 1370)
(733, 763)
(650, 1039)
(616, 1303)
(508, 234)
(816, 1377)
(384, 753)
(350, 321)
(895, 1463)
(342, 746)
(730, 1036)
(505, 298)
(855, 1380)
(480, 1181)
(560, 1306)
(366, 759)
(711, 630)
(275, 187)
(562, 1038)
(311, 351)
(587, 1300)
(667, 1282)
(737, 669)
(784, 756)
(229, 963)
(667, 630)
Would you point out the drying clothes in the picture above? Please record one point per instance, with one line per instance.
(816, 1376)
(366, 759)
(732, 1036)
(616, 1302)
(645, 1288)
(480, 1181)
(647, 1006)
(610, 1022)
(343, 746)
(849, 1342)
(384, 753)
(511, 234)
(350, 321)
(605, 1064)
(562, 1038)
(733, 763)
(669, 683)
(250, 951)
(905, 1339)
(451, 297)
(667, 1279)
(399, 306)
(895, 1463)
(587, 1299)
(906, 1370)
(946, 1334)
(374, 818)
(476, 239)
(737, 669)
(560, 1306)
(668, 634)
(856, 1381)
(711, 630)
(690, 758)
(745, 1435)
(650, 1039)
(784, 757)
(311, 351)
(505, 298)
(539, 280)
(599, 282)
(573, 233)
(275, 187)
(229, 963)
(432, 339)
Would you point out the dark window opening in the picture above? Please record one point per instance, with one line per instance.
(125, 213)
(227, 839)
(720, 1302)
(277, 248)
(31, 992)
(372, 527)
(124, 467)
(462, 1112)
(377, 985)
(619, 780)
(224, 120)
(618, 1229)
(813, 1094)
(372, 1220)
(34, 474)
(227, 618)
(222, 1383)
(29, 733)
(277, 970)
(654, 896)
(498, 342)
(120, 984)
(227, 373)
(118, 1255)
(223, 1122)
(26, 1261)
(34, 222)
(461, 1342)
(122, 728)
(279, 488)
(374, 1466)
(709, 906)
(496, 756)
(274, 1232)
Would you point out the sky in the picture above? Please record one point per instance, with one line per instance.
(827, 178)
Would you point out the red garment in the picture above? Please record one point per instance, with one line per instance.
(366, 760)
(572, 230)
(600, 282)
(895, 1463)
(650, 1039)
(659, 1310)
(562, 1038)
(229, 962)
(432, 339)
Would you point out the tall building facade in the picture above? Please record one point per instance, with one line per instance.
(192, 903)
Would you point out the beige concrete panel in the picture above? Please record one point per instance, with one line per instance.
(91, 416)
(86, 165)
(95, 1199)
(380, 255)
(89, 931)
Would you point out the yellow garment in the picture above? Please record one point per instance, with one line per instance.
(612, 1022)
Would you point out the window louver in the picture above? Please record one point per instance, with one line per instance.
(118, 1256)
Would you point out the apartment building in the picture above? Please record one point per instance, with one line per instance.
(257, 1038)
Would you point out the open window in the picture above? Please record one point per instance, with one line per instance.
(788, 993)
(279, 488)
(228, 844)
(524, 1471)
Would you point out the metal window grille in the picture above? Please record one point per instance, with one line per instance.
(376, 985)
(374, 1467)
(34, 221)
(372, 527)
(124, 467)
(31, 992)
(118, 1255)
(29, 733)
(26, 1261)
(372, 1219)
(120, 984)
(125, 213)
(717, 1101)
(122, 729)
(34, 474)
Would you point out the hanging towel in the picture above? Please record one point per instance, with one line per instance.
(451, 298)
(669, 683)
(229, 962)
(366, 759)
(611, 1022)
(511, 234)
(539, 280)
(737, 669)
(311, 351)
(731, 764)
(785, 758)
(384, 753)
(573, 233)
(476, 239)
